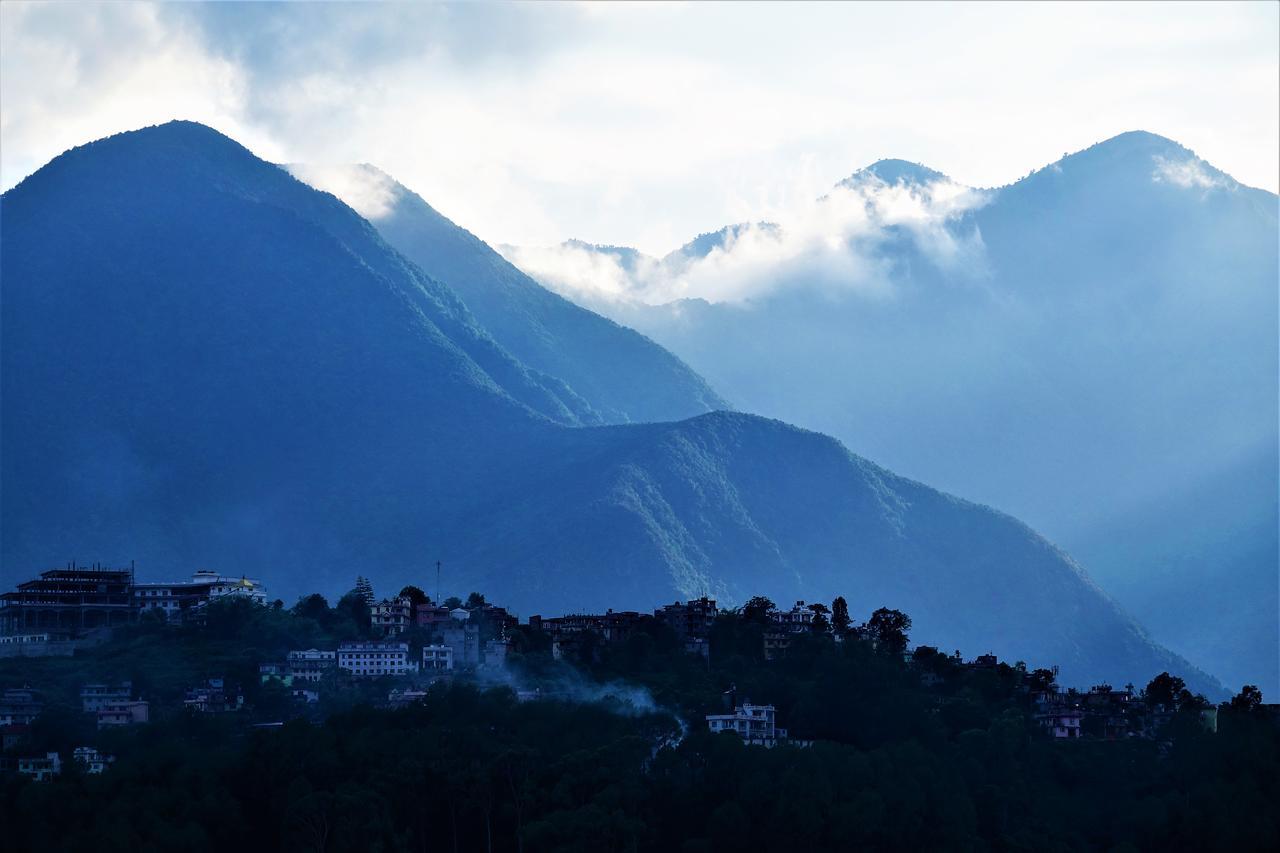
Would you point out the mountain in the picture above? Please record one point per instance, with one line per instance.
(624, 376)
(208, 363)
(1092, 348)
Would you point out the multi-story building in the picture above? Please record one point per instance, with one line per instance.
(94, 696)
(691, 620)
(69, 602)
(131, 713)
(185, 601)
(495, 653)
(783, 626)
(92, 761)
(311, 664)
(437, 658)
(392, 616)
(431, 615)
(755, 724)
(463, 636)
(375, 657)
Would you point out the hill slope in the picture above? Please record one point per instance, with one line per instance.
(623, 375)
(207, 363)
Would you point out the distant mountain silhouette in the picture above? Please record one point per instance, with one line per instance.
(1092, 348)
(208, 363)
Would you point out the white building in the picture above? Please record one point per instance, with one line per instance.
(186, 599)
(373, 657)
(755, 724)
(392, 616)
(123, 714)
(311, 664)
(437, 658)
(94, 762)
(95, 696)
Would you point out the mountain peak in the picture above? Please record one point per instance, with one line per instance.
(895, 172)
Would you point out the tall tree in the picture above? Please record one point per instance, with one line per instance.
(889, 629)
(758, 609)
(840, 615)
(415, 595)
(365, 590)
(475, 600)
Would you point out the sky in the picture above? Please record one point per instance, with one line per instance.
(639, 124)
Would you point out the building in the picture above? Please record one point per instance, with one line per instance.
(19, 706)
(783, 627)
(311, 664)
(93, 762)
(94, 696)
(495, 652)
(69, 602)
(132, 713)
(1062, 722)
(463, 636)
(275, 672)
(215, 696)
(41, 768)
(374, 657)
(185, 601)
(431, 616)
(755, 724)
(437, 658)
(392, 616)
(691, 620)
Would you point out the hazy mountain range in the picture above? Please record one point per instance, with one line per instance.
(206, 362)
(1092, 348)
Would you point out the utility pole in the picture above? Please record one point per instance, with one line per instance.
(437, 583)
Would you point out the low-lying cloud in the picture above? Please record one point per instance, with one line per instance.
(832, 245)
(1189, 173)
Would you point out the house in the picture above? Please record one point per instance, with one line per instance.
(431, 615)
(41, 768)
(495, 653)
(1062, 722)
(784, 626)
(185, 601)
(215, 696)
(19, 706)
(375, 657)
(131, 713)
(437, 658)
(755, 724)
(275, 672)
(392, 616)
(94, 696)
(94, 762)
(14, 736)
(311, 664)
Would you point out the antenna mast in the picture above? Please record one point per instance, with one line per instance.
(437, 583)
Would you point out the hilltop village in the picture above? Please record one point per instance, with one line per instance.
(399, 647)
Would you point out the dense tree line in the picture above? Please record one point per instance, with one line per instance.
(896, 765)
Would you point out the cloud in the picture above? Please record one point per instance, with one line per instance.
(1189, 173)
(370, 192)
(832, 245)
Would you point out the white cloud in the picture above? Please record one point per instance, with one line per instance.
(1188, 173)
(830, 245)
(368, 191)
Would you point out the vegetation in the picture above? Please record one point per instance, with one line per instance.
(956, 765)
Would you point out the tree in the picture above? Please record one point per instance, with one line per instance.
(1247, 700)
(758, 609)
(453, 602)
(474, 601)
(1169, 691)
(313, 606)
(365, 590)
(356, 610)
(820, 624)
(415, 595)
(888, 628)
(840, 615)
(1041, 679)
